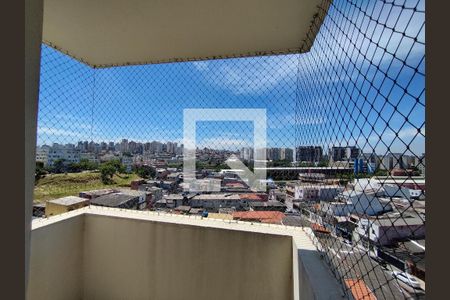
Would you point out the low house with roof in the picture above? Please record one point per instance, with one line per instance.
(202, 185)
(359, 202)
(301, 191)
(217, 201)
(163, 184)
(254, 197)
(175, 176)
(163, 204)
(290, 220)
(182, 209)
(213, 202)
(145, 197)
(173, 200)
(267, 205)
(134, 185)
(117, 200)
(96, 193)
(64, 204)
(161, 173)
(155, 192)
(273, 217)
(387, 231)
(220, 216)
(408, 256)
(359, 289)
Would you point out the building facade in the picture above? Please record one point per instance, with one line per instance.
(68, 154)
(347, 153)
(388, 231)
(42, 155)
(311, 192)
(287, 154)
(308, 153)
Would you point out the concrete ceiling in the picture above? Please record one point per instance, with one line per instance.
(105, 33)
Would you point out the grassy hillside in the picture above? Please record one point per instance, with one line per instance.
(59, 185)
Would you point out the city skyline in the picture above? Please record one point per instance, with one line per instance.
(116, 146)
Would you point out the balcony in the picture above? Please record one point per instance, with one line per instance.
(104, 253)
(325, 98)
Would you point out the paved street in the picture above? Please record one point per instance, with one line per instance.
(352, 262)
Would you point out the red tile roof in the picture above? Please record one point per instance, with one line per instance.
(359, 289)
(319, 228)
(253, 197)
(274, 217)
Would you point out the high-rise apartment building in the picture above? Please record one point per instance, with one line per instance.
(396, 161)
(123, 145)
(308, 153)
(156, 147)
(69, 155)
(274, 153)
(170, 147)
(346, 153)
(287, 154)
(132, 147)
(246, 153)
(42, 154)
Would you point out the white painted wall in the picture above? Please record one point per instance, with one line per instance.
(102, 253)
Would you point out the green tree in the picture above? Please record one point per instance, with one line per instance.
(59, 166)
(323, 163)
(109, 169)
(221, 166)
(73, 168)
(127, 153)
(280, 163)
(40, 171)
(107, 172)
(120, 168)
(85, 164)
(380, 172)
(174, 165)
(146, 172)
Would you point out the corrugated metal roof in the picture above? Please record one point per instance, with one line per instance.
(113, 200)
(400, 221)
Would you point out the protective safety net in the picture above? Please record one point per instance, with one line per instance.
(338, 134)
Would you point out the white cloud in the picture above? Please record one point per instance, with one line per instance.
(410, 132)
(310, 120)
(249, 75)
(57, 132)
(380, 141)
(223, 143)
(201, 65)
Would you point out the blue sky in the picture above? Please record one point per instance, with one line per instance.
(310, 98)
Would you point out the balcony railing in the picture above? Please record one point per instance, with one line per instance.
(104, 253)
